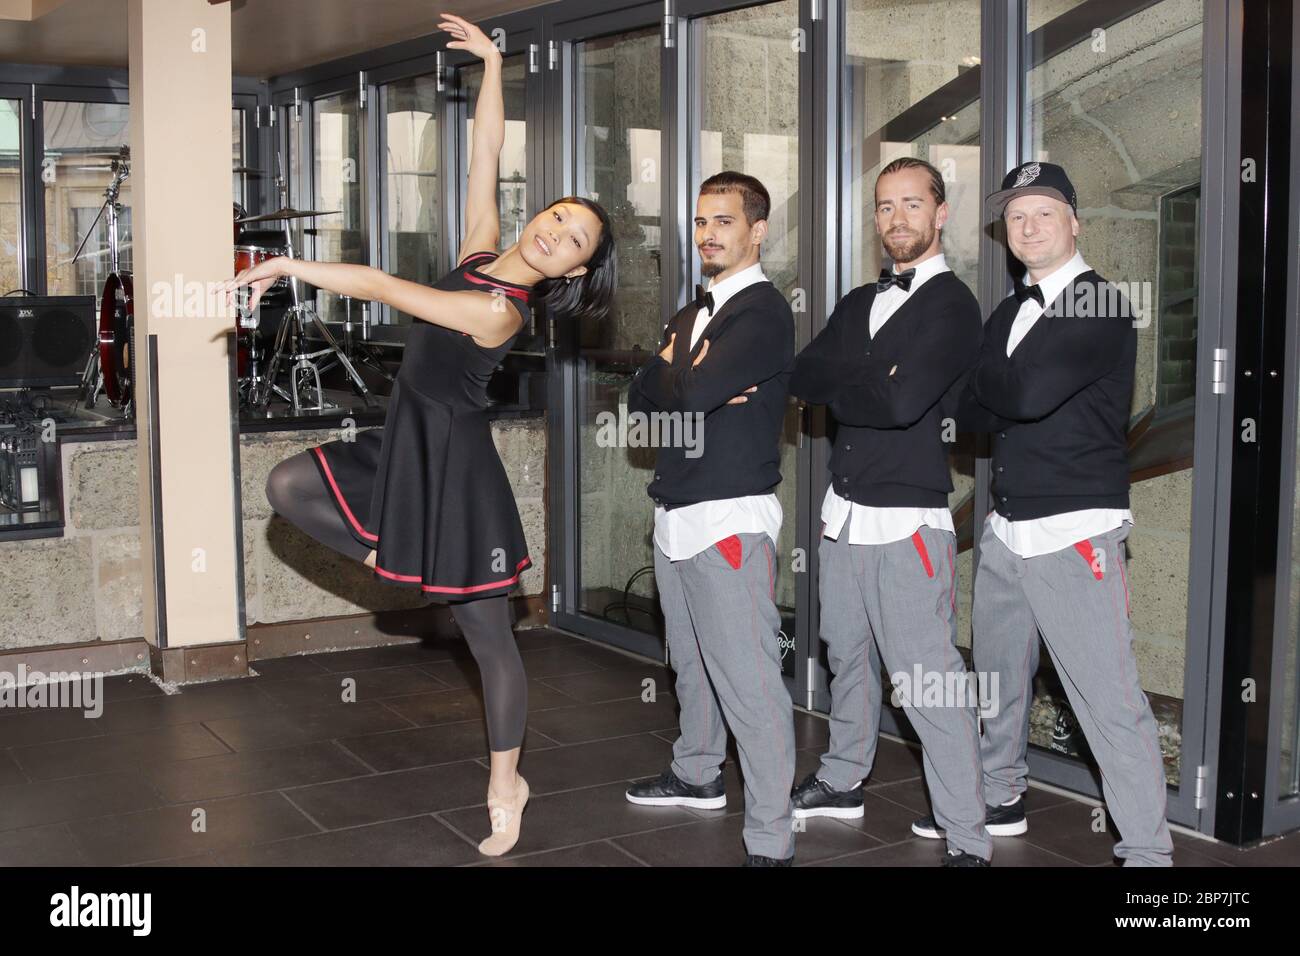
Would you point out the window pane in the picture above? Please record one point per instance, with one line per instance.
(1123, 117)
(748, 77)
(336, 178)
(512, 191)
(910, 92)
(81, 140)
(237, 156)
(412, 210)
(11, 196)
(752, 126)
(617, 103)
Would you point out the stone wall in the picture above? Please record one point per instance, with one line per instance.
(87, 585)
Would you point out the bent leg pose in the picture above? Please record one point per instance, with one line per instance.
(424, 501)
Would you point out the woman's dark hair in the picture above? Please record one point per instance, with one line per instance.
(590, 295)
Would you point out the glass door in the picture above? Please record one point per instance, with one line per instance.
(1121, 109)
(642, 124)
(611, 150)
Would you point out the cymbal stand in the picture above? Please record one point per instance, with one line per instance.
(291, 344)
(361, 349)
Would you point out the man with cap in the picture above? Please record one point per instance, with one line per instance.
(1053, 385)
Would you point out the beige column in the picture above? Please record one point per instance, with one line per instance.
(180, 93)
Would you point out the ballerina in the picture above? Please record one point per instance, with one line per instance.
(425, 501)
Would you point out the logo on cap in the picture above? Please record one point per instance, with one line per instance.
(1027, 175)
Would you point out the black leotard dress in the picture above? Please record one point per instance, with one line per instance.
(428, 491)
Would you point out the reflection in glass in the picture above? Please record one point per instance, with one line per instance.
(748, 76)
(412, 209)
(81, 140)
(914, 92)
(237, 182)
(1125, 122)
(11, 196)
(336, 178)
(512, 182)
(617, 104)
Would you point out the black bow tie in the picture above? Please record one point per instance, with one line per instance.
(1024, 292)
(889, 277)
(703, 299)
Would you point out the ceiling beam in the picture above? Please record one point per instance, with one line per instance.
(27, 9)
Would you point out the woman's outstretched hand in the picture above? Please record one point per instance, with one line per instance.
(259, 278)
(466, 36)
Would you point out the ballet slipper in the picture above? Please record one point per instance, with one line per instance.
(505, 816)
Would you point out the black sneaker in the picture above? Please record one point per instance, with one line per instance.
(962, 858)
(754, 860)
(817, 798)
(670, 790)
(999, 821)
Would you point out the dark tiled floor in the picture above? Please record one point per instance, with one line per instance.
(377, 757)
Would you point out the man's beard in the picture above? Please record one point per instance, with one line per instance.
(906, 248)
(711, 269)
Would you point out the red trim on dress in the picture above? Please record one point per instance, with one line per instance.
(412, 578)
(513, 293)
(408, 578)
(341, 500)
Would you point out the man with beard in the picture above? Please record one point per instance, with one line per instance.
(717, 519)
(889, 364)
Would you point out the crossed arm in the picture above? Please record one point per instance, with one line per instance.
(877, 392)
(754, 349)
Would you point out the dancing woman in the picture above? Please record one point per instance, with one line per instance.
(425, 501)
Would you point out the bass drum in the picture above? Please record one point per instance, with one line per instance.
(116, 337)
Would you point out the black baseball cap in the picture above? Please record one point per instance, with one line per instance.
(1032, 179)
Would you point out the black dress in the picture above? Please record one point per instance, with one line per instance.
(428, 491)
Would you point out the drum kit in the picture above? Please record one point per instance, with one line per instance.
(108, 368)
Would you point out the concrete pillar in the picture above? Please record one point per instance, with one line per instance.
(180, 93)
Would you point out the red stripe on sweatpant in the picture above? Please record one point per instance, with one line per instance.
(925, 555)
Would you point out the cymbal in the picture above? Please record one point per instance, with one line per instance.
(288, 213)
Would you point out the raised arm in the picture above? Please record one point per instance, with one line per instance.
(486, 316)
(482, 222)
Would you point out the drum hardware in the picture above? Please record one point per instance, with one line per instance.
(360, 349)
(291, 335)
(108, 367)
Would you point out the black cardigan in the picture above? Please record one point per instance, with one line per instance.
(891, 394)
(1057, 407)
(751, 342)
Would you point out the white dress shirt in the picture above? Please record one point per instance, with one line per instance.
(869, 524)
(684, 532)
(1037, 536)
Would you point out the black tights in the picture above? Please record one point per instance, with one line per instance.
(297, 492)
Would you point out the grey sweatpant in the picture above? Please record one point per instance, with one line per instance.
(1077, 598)
(722, 626)
(898, 598)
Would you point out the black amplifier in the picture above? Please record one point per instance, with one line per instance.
(46, 340)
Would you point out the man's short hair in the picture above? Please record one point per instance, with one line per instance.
(753, 194)
(910, 162)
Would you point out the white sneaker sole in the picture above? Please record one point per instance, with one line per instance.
(1008, 829)
(699, 803)
(998, 829)
(839, 813)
